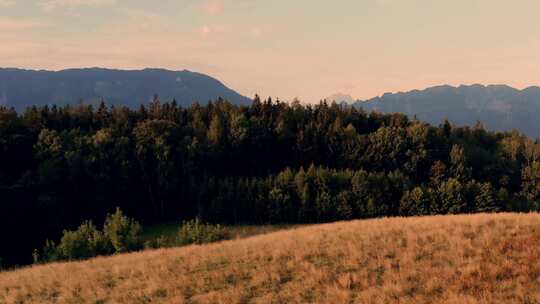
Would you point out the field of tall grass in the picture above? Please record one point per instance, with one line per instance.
(444, 259)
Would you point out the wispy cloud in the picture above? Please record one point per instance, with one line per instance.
(7, 3)
(209, 29)
(53, 4)
(384, 2)
(213, 7)
(13, 24)
(144, 19)
(256, 32)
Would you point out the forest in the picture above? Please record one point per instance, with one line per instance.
(269, 162)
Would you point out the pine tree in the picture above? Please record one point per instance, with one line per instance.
(458, 164)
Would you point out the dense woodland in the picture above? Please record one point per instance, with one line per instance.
(270, 162)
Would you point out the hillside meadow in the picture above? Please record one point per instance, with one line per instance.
(480, 258)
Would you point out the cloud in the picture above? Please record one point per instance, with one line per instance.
(7, 3)
(12, 24)
(143, 19)
(209, 29)
(384, 2)
(256, 32)
(53, 4)
(233, 31)
(213, 7)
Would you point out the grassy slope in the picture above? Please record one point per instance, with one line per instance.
(452, 259)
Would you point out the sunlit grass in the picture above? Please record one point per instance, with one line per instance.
(449, 259)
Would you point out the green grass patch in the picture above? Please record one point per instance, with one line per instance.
(166, 234)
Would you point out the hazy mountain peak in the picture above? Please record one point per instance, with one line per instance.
(340, 98)
(119, 87)
(498, 107)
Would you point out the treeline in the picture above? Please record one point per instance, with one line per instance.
(321, 195)
(268, 162)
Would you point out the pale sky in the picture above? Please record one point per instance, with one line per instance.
(285, 48)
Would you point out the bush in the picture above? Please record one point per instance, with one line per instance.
(50, 253)
(123, 233)
(198, 232)
(160, 242)
(85, 242)
(120, 234)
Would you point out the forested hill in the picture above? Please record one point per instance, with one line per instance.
(23, 88)
(269, 162)
(497, 107)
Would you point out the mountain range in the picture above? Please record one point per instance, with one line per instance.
(497, 107)
(23, 88)
(341, 98)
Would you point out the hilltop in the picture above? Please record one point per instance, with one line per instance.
(23, 88)
(497, 107)
(444, 259)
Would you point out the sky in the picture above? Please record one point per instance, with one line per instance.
(306, 49)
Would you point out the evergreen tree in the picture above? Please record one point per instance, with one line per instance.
(458, 164)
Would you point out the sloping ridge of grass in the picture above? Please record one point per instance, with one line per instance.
(442, 259)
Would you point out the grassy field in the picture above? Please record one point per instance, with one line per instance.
(447, 259)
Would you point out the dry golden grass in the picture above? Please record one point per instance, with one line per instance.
(447, 259)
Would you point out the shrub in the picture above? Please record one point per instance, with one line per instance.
(123, 233)
(198, 232)
(85, 242)
(50, 253)
(160, 242)
(120, 234)
(35, 256)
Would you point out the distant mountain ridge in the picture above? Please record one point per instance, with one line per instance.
(22, 88)
(497, 107)
(341, 98)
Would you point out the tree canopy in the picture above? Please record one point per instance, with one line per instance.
(270, 162)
